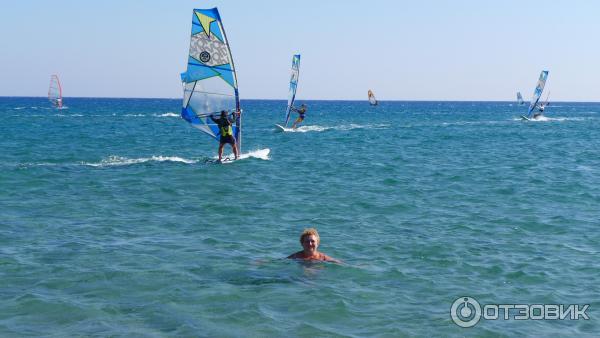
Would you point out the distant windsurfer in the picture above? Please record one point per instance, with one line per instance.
(225, 123)
(372, 99)
(301, 111)
(310, 242)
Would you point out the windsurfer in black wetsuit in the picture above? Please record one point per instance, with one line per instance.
(540, 111)
(300, 112)
(226, 130)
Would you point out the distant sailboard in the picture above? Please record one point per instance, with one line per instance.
(295, 74)
(537, 93)
(55, 92)
(520, 98)
(372, 99)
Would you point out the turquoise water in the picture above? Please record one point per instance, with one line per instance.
(113, 223)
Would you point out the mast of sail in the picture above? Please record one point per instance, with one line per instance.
(295, 74)
(537, 93)
(238, 117)
(210, 81)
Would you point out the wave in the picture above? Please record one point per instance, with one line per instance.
(112, 161)
(566, 118)
(466, 123)
(351, 126)
(70, 115)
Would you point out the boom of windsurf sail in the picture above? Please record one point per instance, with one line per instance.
(520, 98)
(372, 99)
(537, 93)
(293, 86)
(545, 103)
(210, 82)
(55, 92)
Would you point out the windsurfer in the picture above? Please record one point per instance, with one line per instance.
(310, 242)
(301, 111)
(540, 111)
(225, 123)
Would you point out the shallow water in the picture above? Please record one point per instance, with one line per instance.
(114, 221)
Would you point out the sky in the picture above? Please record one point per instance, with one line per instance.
(402, 50)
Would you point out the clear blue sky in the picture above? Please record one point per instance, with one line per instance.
(403, 50)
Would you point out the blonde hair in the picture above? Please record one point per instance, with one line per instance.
(308, 232)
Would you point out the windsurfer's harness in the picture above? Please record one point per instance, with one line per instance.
(225, 128)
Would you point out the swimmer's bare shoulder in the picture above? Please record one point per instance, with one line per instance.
(297, 255)
(321, 257)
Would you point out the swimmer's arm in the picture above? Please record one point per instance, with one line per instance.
(331, 259)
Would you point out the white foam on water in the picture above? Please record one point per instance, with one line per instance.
(344, 127)
(317, 128)
(262, 154)
(362, 126)
(122, 161)
(168, 115)
(544, 118)
(467, 123)
(69, 115)
(305, 129)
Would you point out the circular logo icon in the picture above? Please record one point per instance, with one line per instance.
(205, 56)
(465, 312)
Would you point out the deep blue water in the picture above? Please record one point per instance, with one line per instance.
(112, 223)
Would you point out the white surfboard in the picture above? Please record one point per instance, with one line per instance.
(282, 129)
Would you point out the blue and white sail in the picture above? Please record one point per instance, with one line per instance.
(520, 98)
(537, 93)
(210, 82)
(293, 86)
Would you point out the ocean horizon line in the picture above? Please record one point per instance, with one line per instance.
(260, 99)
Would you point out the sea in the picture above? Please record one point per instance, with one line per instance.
(115, 221)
